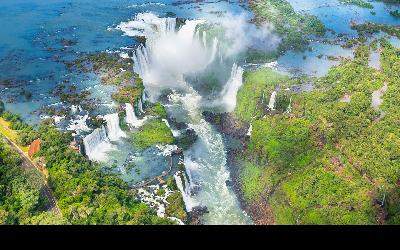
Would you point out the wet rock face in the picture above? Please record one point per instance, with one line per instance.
(140, 39)
(187, 139)
(177, 125)
(96, 122)
(227, 124)
(180, 22)
(194, 216)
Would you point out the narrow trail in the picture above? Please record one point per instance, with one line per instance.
(28, 164)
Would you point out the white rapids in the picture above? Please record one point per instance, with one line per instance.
(169, 55)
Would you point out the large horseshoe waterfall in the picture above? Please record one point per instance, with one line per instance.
(170, 54)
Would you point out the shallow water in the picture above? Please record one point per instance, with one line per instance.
(338, 16)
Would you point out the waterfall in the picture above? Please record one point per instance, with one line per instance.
(140, 105)
(184, 188)
(204, 39)
(221, 58)
(214, 50)
(97, 144)
(113, 129)
(228, 94)
(170, 25)
(76, 108)
(79, 124)
(271, 104)
(168, 59)
(141, 61)
(175, 133)
(197, 35)
(250, 130)
(144, 96)
(159, 63)
(289, 108)
(131, 118)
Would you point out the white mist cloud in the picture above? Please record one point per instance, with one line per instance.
(240, 34)
(171, 55)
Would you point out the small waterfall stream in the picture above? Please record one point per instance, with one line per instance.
(140, 105)
(271, 104)
(131, 118)
(114, 131)
(228, 94)
(97, 144)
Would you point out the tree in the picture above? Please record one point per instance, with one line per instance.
(2, 108)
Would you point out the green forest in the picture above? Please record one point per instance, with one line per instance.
(327, 161)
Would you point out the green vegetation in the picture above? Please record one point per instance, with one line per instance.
(257, 85)
(2, 108)
(389, 1)
(328, 161)
(85, 193)
(175, 206)
(153, 132)
(21, 201)
(158, 110)
(112, 68)
(293, 28)
(395, 13)
(129, 93)
(25, 133)
(359, 3)
(371, 28)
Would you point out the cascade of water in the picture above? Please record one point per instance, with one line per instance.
(130, 114)
(175, 133)
(131, 118)
(187, 31)
(113, 129)
(76, 108)
(141, 61)
(263, 97)
(214, 50)
(184, 188)
(250, 130)
(271, 104)
(197, 35)
(205, 165)
(204, 39)
(79, 124)
(221, 58)
(97, 144)
(170, 58)
(143, 96)
(168, 54)
(228, 94)
(289, 108)
(140, 105)
(170, 24)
